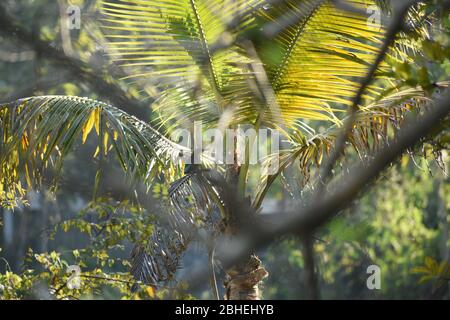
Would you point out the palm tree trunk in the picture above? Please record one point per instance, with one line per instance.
(243, 280)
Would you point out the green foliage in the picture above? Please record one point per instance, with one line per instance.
(387, 228)
(51, 275)
(205, 67)
(108, 226)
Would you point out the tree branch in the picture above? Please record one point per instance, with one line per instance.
(396, 26)
(258, 232)
(79, 69)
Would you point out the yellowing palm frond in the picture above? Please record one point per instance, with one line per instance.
(320, 58)
(41, 130)
(374, 124)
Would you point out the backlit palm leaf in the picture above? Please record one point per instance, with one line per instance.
(314, 63)
(172, 38)
(39, 131)
(373, 124)
(319, 58)
(175, 40)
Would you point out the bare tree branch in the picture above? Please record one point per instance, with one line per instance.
(78, 69)
(259, 233)
(396, 26)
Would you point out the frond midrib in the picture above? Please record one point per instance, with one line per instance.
(288, 54)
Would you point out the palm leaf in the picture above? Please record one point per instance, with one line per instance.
(175, 41)
(192, 206)
(172, 38)
(40, 131)
(319, 60)
(373, 125)
(157, 259)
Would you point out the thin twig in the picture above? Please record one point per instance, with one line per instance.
(78, 69)
(213, 279)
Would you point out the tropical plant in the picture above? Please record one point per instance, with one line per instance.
(291, 65)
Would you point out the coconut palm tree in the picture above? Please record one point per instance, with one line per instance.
(289, 65)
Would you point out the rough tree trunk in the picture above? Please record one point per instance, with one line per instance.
(242, 280)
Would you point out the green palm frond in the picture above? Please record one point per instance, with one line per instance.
(318, 62)
(314, 64)
(40, 131)
(373, 125)
(174, 40)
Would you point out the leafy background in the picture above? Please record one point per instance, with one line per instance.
(401, 225)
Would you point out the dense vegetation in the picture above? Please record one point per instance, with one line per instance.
(90, 184)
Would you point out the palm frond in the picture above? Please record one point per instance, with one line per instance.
(319, 59)
(175, 41)
(374, 124)
(192, 206)
(40, 131)
(172, 38)
(156, 260)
